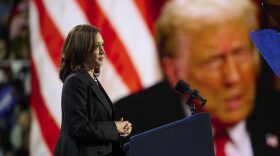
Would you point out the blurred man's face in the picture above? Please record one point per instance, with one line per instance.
(222, 67)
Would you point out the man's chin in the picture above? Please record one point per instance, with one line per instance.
(233, 118)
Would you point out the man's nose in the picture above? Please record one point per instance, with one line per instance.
(231, 71)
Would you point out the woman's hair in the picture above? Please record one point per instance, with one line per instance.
(77, 47)
(190, 17)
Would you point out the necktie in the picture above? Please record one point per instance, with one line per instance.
(220, 139)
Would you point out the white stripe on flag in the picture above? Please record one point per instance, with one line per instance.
(49, 82)
(132, 30)
(37, 144)
(112, 82)
(65, 14)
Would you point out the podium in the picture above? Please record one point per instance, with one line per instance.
(190, 136)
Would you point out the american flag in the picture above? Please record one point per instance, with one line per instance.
(131, 59)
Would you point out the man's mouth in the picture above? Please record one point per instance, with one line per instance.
(234, 102)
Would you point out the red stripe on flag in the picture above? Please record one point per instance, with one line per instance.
(48, 127)
(115, 49)
(50, 34)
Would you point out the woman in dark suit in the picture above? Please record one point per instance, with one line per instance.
(87, 126)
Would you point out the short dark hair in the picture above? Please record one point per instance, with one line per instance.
(76, 48)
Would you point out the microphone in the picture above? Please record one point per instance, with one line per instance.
(184, 88)
(196, 95)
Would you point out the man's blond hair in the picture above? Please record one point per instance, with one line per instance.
(189, 17)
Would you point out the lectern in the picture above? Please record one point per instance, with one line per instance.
(190, 136)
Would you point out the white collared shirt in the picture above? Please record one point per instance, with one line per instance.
(240, 143)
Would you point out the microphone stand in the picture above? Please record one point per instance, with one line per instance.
(192, 106)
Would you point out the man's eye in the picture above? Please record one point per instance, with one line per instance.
(213, 63)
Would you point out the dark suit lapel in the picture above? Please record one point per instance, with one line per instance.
(106, 95)
(100, 93)
(260, 135)
(101, 97)
(259, 124)
(257, 140)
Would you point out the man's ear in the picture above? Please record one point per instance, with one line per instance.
(170, 70)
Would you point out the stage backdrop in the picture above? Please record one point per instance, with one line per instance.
(131, 60)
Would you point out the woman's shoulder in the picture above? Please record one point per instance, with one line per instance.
(74, 78)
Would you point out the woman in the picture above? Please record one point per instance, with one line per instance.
(87, 111)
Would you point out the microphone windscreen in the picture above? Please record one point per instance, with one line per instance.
(182, 86)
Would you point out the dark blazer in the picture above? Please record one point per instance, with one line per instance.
(160, 104)
(87, 126)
